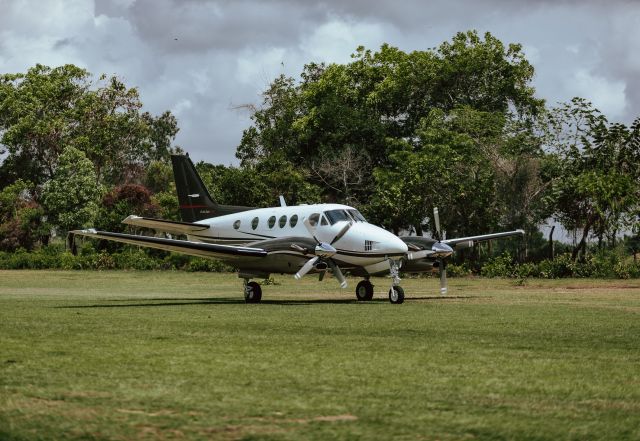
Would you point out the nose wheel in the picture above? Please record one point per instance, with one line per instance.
(364, 291)
(396, 295)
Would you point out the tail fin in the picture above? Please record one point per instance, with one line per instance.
(194, 199)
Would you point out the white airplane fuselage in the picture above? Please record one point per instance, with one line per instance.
(363, 244)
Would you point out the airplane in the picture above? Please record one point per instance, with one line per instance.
(297, 239)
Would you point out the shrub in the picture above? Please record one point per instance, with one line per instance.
(501, 266)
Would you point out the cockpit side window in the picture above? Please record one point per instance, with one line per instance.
(356, 215)
(314, 219)
(323, 221)
(337, 216)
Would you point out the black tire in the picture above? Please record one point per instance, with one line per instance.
(364, 291)
(396, 295)
(253, 293)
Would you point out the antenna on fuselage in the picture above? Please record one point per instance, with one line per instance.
(282, 202)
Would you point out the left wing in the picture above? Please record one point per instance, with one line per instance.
(467, 242)
(224, 252)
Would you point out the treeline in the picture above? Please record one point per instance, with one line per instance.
(393, 133)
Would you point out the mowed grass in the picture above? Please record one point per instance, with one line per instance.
(172, 355)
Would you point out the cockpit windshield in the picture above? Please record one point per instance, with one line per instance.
(356, 215)
(337, 216)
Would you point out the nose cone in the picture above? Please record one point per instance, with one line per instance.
(396, 245)
(389, 243)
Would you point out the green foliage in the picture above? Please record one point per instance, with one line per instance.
(129, 258)
(396, 133)
(604, 264)
(123, 201)
(71, 196)
(21, 218)
(596, 188)
(47, 109)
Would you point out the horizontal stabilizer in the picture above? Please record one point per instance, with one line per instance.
(167, 226)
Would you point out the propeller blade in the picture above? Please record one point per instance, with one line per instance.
(443, 277)
(310, 229)
(337, 274)
(436, 220)
(341, 233)
(306, 268)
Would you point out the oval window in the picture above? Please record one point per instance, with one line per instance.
(283, 221)
(236, 224)
(272, 221)
(254, 223)
(293, 221)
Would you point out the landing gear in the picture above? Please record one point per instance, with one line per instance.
(252, 292)
(396, 295)
(364, 291)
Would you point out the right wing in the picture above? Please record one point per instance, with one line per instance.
(228, 253)
(167, 226)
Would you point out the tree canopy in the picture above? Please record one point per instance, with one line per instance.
(394, 133)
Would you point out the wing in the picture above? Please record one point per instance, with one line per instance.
(228, 253)
(168, 226)
(467, 242)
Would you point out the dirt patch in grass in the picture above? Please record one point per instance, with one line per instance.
(162, 412)
(602, 288)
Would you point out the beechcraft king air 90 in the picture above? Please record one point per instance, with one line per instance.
(297, 240)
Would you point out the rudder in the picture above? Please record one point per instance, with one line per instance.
(193, 197)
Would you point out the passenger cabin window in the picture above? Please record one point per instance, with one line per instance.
(283, 221)
(356, 215)
(272, 221)
(337, 216)
(314, 218)
(293, 221)
(254, 223)
(236, 224)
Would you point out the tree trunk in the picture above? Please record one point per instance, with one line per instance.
(552, 250)
(582, 245)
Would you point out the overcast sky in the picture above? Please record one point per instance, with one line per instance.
(201, 59)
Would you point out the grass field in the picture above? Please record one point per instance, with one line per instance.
(173, 355)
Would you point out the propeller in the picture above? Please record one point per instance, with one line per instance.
(442, 250)
(323, 254)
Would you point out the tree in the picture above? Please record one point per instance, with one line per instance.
(71, 196)
(47, 109)
(21, 218)
(354, 116)
(123, 201)
(599, 162)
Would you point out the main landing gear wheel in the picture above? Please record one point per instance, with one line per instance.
(396, 295)
(252, 292)
(364, 290)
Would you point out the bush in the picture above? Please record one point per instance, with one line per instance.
(561, 266)
(56, 257)
(501, 266)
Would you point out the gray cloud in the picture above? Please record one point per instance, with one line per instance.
(201, 58)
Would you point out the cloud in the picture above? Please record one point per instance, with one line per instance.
(203, 58)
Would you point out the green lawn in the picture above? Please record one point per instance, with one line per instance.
(173, 355)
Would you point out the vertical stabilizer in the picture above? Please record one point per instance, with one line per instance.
(194, 198)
